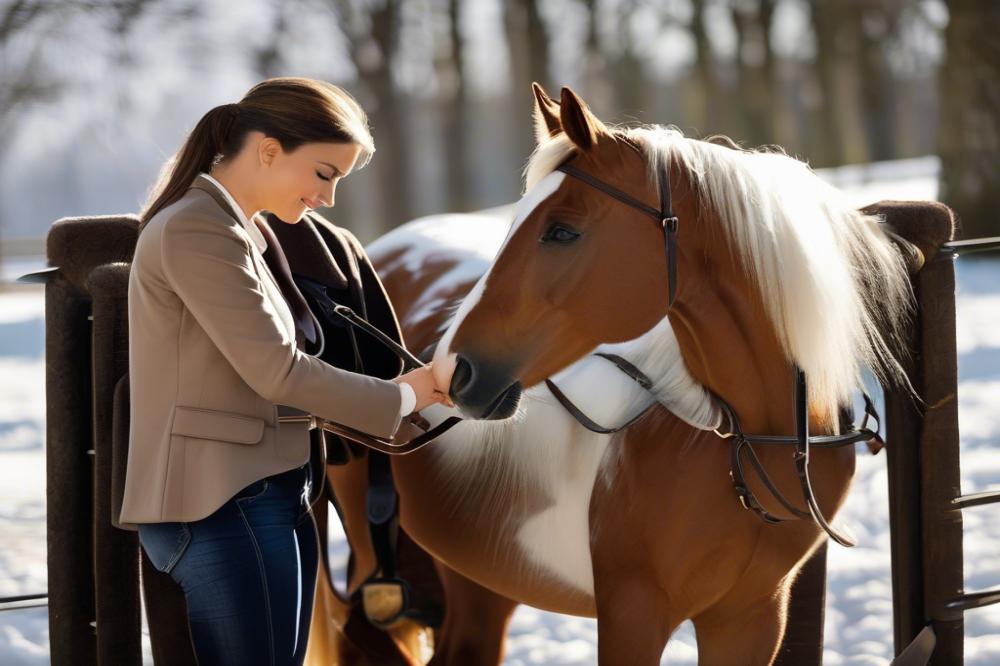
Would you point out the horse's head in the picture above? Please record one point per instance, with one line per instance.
(575, 270)
(775, 268)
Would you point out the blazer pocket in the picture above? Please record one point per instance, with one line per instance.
(216, 425)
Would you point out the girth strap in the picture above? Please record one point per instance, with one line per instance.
(742, 443)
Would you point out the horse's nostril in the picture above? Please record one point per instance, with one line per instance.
(462, 377)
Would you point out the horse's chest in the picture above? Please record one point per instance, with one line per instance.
(511, 508)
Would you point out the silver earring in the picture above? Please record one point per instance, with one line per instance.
(216, 159)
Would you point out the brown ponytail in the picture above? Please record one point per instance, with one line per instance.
(293, 110)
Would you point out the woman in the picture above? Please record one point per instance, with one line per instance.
(215, 484)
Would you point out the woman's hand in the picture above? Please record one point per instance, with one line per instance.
(422, 382)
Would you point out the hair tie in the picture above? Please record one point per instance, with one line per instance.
(225, 125)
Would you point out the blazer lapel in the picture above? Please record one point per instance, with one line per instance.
(203, 184)
(306, 326)
(276, 266)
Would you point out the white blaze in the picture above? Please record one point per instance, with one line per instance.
(444, 357)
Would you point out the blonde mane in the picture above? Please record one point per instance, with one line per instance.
(833, 286)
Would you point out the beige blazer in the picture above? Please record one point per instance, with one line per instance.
(212, 355)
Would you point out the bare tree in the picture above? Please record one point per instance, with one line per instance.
(755, 66)
(827, 145)
(373, 33)
(875, 24)
(456, 114)
(528, 46)
(268, 57)
(707, 99)
(969, 137)
(625, 66)
(25, 75)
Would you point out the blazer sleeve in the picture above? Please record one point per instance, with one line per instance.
(210, 267)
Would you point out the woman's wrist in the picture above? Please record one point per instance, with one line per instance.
(409, 398)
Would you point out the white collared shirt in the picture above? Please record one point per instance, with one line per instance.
(409, 398)
(251, 228)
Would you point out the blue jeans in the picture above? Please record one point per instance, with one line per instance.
(248, 572)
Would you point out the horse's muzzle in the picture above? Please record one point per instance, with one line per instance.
(484, 391)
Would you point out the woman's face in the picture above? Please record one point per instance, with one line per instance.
(306, 178)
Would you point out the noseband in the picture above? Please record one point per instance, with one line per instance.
(740, 441)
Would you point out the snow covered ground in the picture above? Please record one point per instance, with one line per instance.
(859, 610)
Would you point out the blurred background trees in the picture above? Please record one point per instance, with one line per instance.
(95, 95)
(969, 141)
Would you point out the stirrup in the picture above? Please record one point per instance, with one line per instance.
(385, 601)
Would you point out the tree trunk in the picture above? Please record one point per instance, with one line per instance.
(827, 147)
(969, 138)
(456, 119)
(706, 110)
(878, 86)
(389, 121)
(528, 46)
(755, 72)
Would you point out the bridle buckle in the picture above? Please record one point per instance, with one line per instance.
(669, 224)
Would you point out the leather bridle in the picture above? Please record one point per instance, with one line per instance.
(740, 441)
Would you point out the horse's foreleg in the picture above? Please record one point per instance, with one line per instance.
(633, 620)
(742, 635)
(475, 623)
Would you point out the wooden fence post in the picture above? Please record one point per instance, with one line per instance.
(924, 472)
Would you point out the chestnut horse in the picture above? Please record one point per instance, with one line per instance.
(639, 528)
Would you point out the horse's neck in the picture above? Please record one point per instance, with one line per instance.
(730, 346)
(657, 354)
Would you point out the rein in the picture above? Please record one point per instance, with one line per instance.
(384, 445)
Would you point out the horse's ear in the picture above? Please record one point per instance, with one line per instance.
(581, 126)
(546, 114)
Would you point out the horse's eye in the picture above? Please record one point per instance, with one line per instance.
(559, 233)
